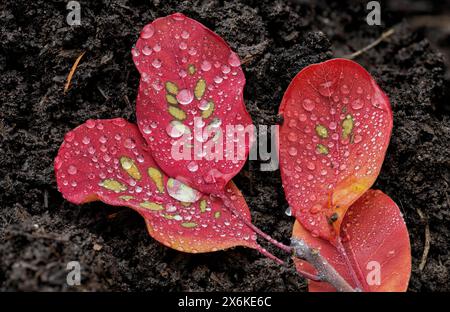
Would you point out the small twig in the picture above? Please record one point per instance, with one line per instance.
(106, 97)
(127, 101)
(123, 6)
(45, 199)
(62, 239)
(325, 271)
(383, 37)
(248, 59)
(72, 71)
(427, 245)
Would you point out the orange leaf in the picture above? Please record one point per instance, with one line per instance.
(376, 240)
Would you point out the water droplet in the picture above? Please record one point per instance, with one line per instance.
(233, 60)
(192, 166)
(176, 129)
(292, 151)
(205, 66)
(185, 34)
(332, 125)
(90, 123)
(357, 138)
(203, 105)
(288, 211)
(292, 137)
(72, 170)
(147, 32)
(146, 50)
(135, 52)
(157, 85)
(292, 123)
(345, 89)
(86, 140)
(302, 117)
(183, 45)
(156, 63)
(185, 97)
(311, 166)
(181, 191)
(192, 51)
(218, 79)
(357, 104)
(146, 129)
(308, 105)
(129, 143)
(225, 69)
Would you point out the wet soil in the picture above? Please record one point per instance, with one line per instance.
(40, 232)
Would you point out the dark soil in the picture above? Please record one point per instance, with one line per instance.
(40, 232)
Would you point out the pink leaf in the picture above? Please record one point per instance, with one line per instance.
(337, 126)
(108, 160)
(190, 95)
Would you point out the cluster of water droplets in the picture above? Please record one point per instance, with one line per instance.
(326, 133)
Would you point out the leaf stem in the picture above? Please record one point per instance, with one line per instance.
(340, 248)
(325, 270)
(298, 248)
(248, 223)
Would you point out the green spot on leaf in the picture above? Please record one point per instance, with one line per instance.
(347, 126)
(172, 88)
(177, 113)
(203, 205)
(189, 224)
(322, 149)
(191, 69)
(171, 217)
(171, 99)
(200, 89)
(322, 131)
(126, 197)
(113, 185)
(209, 111)
(151, 206)
(157, 178)
(130, 167)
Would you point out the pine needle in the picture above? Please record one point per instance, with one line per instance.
(72, 71)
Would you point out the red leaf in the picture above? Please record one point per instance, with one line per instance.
(188, 71)
(374, 236)
(337, 125)
(108, 160)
